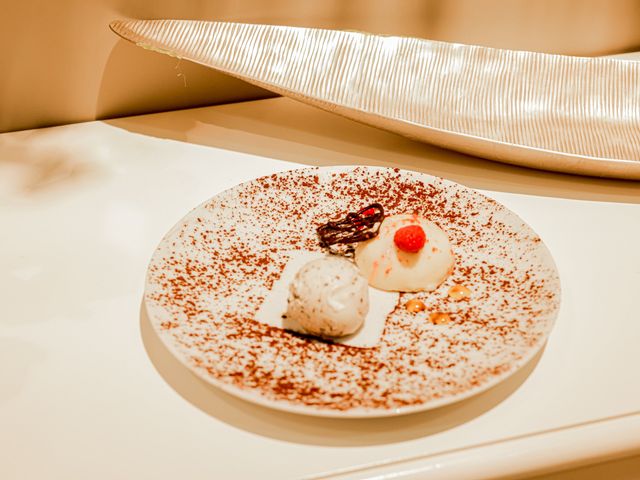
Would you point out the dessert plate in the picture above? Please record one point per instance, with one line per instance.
(211, 273)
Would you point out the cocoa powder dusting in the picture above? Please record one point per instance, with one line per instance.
(212, 272)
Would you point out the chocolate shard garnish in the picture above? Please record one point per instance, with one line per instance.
(355, 227)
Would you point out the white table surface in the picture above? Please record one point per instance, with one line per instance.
(88, 391)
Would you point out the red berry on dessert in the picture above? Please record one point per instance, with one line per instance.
(410, 239)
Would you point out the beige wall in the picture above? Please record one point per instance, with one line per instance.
(59, 62)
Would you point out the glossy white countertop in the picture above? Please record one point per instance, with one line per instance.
(88, 391)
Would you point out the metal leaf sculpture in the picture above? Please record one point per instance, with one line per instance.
(570, 114)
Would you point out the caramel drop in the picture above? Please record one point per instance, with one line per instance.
(414, 305)
(439, 318)
(459, 292)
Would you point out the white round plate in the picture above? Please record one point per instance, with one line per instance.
(212, 271)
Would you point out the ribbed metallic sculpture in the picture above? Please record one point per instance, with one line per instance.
(569, 114)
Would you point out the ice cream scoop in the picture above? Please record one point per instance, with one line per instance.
(328, 297)
(409, 254)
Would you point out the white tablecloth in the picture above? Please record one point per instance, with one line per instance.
(88, 391)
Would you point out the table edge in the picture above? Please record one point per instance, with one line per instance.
(547, 451)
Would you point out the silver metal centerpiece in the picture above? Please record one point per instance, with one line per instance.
(570, 114)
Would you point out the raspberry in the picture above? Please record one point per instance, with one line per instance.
(369, 211)
(410, 239)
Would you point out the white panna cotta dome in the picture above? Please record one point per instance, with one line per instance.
(387, 267)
